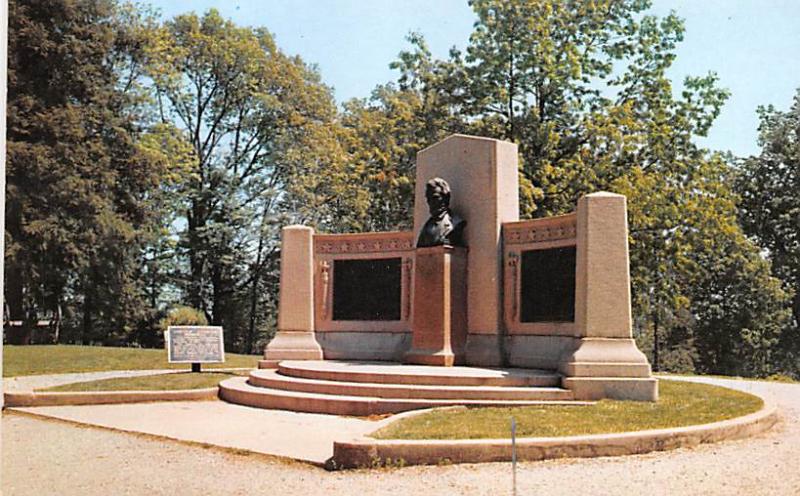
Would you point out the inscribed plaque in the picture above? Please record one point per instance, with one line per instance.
(548, 285)
(194, 344)
(366, 289)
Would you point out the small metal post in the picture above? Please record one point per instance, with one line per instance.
(195, 367)
(514, 455)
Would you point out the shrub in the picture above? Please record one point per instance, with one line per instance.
(183, 315)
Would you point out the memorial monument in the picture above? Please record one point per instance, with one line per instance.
(471, 285)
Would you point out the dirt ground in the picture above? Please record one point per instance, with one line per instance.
(42, 457)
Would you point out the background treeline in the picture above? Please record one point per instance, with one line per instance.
(153, 162)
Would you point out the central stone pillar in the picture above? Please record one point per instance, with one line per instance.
(440, 320)
(483, 177)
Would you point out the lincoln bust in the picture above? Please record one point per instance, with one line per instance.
(442, 228)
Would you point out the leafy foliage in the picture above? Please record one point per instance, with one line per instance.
(183, 315)
(153, 163)
(770, 206)
(265, 152)
(582, 88)
(78, 184)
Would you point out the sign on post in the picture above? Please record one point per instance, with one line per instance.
(195, 345)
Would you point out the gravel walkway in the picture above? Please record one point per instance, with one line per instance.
(45, 457)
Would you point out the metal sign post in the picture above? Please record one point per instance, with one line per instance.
(514, 455)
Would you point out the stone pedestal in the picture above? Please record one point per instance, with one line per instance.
(484, 177)
(440, 307)
(605, 362)
(295, 338)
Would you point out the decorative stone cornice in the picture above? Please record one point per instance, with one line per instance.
(336, 244)
(540, 230)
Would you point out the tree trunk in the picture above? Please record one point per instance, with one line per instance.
(15, 303)
(196, 258)
(86, 330)
(656, 343)
(251, 328)
(57, 323)
(218, 306)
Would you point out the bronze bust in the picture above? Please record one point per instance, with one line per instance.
(442, 228)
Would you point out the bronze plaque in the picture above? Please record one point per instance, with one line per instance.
(548, 285)
(366, 289)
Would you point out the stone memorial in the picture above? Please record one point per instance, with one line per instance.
(471, 284)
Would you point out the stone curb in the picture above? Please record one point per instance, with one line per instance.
(39, 398)
(365, 452)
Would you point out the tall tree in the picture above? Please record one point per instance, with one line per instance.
(387, 130)
(262, 131)
(768, 185)
(582, 88)
(77, 181)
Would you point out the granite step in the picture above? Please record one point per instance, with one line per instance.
(395, 373)
(275, 380)
(237, 390)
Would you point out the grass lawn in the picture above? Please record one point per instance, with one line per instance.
(163, 382)
(680, 404)
(62, 359)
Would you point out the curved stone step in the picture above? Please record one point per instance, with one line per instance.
(237, 390)
(395, 373)
(272, 379)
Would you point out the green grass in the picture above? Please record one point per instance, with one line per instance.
(62, 359)
(162, 382)
(680, 404)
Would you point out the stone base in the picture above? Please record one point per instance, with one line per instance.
(422, 357)
(537, 352)
(615, 388)
(608, 368)
(383, 346)
(605, 357)
(439, 327)
(484, 350)
(293, 345)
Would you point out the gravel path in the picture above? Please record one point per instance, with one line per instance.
(44, 457)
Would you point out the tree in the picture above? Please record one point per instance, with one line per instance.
(261, 128)
(582, 88)
(78, 183)
(770, 207)
(768, 185)
(387, 130)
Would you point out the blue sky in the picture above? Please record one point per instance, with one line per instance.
(753, 45)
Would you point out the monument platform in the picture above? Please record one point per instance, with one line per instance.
(372, 388)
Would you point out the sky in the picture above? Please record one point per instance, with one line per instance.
(753, 45)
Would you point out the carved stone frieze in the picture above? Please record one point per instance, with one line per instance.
(334, 244)
(540, 230)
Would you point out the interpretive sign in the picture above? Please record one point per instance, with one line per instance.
(194, 344)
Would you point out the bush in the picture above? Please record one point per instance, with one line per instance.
(183, 315)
